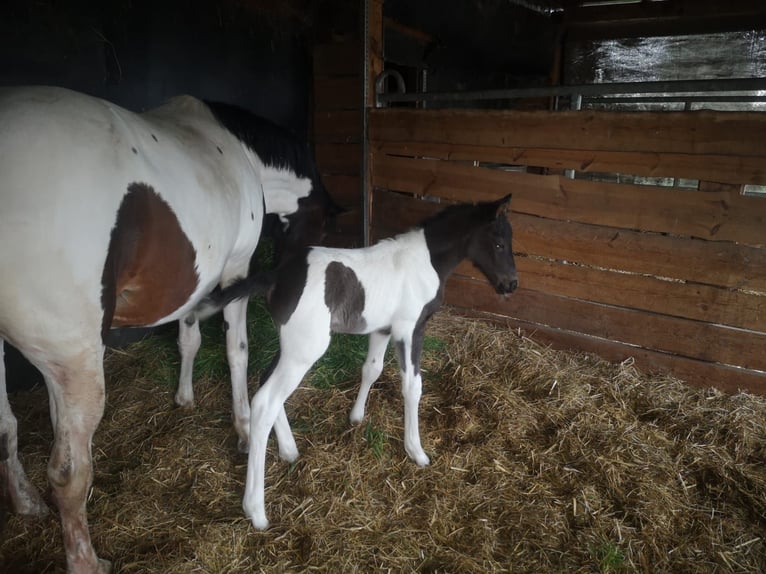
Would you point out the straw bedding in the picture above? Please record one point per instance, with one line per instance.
(542, 461)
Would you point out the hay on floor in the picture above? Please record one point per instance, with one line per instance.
(542, 461)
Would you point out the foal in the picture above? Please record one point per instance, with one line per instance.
(388, 290)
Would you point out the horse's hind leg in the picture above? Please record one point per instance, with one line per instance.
(235, 323)
(14, 484)
(76, 387)
(371, 370)
(189, 340)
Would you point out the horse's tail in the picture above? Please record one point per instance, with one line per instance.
(254, 284)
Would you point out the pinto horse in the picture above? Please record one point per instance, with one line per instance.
(388, 290)
(110, 219)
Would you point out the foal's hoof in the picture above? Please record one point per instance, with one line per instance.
(184, 402)
(28, 502)
(104, 566)
(243, 446)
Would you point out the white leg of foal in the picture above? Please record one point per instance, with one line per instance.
(412, 385)
(373, 366)
(267, 407)
(288, 450)
(23, 497)
(235, 315)
(189, 340)
(299, 350)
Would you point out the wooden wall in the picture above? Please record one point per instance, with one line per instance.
(675, 278)
(338, 109)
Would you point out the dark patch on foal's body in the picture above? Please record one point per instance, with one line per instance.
(286, 291)
(344, 297)
(149, 270)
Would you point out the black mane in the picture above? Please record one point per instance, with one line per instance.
(275, 145)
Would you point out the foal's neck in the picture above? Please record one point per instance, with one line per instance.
(447, 249)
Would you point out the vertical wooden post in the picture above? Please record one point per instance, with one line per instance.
(373, 66)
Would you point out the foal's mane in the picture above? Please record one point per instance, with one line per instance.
(460, 216)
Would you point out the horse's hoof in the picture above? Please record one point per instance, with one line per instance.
(243, 446)
(184, 402)
(104, 566)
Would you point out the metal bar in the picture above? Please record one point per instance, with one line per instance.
(670, 99)
(730, 85)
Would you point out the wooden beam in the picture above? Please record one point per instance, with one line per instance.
(727, 168)
(697, 373)
(614, 328)
(723, 216)
(699, 132)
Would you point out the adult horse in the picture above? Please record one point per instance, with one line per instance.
(109, 219)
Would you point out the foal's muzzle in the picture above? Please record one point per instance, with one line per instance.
(506, 286)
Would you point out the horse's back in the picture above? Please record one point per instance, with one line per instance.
(85, 184)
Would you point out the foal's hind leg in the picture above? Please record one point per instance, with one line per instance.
(301, 345)
(14, 484)
(76, 386)
(189, 340)
(371, 370)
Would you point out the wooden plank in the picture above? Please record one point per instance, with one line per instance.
(339, 126)
(337, 93)
(718, 263)
(652, 332)
(688, 300)
(691, 371)
(347, 231)
(338, 59)
(700, 132)
(727, 168)
(339, 158)
(723, 216)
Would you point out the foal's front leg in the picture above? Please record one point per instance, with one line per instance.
(408, 351)
(371, 370)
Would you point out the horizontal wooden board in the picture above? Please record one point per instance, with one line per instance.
(732, 169)
(339, 158)
(339, 126)
(675, 335)
(692, 301)
(338, 93)
(725, 216)
(338, 59)
(701, 132)
(693, 372)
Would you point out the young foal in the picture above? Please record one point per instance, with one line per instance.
(388, 290)
(110, 219)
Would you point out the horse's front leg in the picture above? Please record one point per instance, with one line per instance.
(189, 340)
(235, 324)
(408, 351)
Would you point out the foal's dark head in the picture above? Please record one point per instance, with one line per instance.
(490, 245)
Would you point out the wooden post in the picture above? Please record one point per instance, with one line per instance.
(373, 66)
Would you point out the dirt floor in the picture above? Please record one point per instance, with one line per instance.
(542, 461)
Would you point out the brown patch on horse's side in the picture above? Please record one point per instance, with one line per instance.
(150, 266)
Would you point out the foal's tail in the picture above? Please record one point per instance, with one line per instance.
(254, 284)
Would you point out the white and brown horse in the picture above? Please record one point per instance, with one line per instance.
(109, 219)
(389, 290)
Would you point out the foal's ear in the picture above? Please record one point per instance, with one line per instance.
(503, 205)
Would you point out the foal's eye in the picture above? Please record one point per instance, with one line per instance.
(499, 246)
